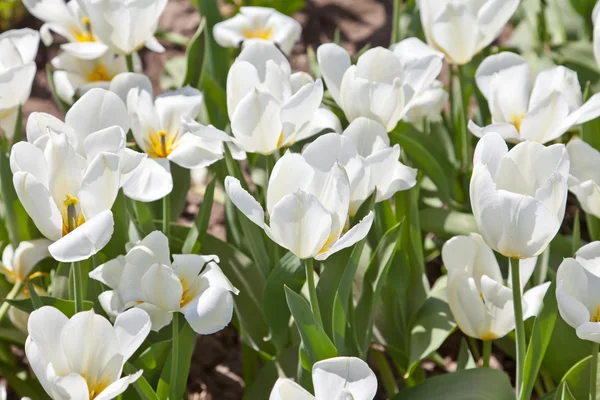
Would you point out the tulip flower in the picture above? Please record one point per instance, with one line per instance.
(165, 130)
(518, 196)
(126, 26)
(334, 378)
(67, 196)
(18, 49)
(583, 175)
(481, 303)
(364, 151)
(146, 278)
(75, 76)
(83, 357)
(69, 20)
(307, 206)
(552, 108)
(270, 107)
(381, 86)
(461, 29)
(261, 23)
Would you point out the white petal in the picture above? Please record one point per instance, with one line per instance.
(118, 387)
(27, 255)
(506, 131)
(589, 331)
(388, 174)
(155, 249)
(492, 17)
(455, 31)
(589, 257)
(210, 311)
(110, 272)
(124, 82)
(244, 201)
(72, 387)
(109, 140)
(534, 298)
(335, 377)
(131, 328)
(242, 79)
(86, 50)
(150, 181)
(175, 105)
(29, 158)
(191, 151)
(354, 235)
(334, 61)
(300, 108)
(572, 292)
(545, 122)
(499, 303)
(158, 316)
(286, 389)
(162, 288)
(100, 185)
(290, 173)
(45, 326)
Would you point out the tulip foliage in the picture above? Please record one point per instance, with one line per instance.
(396, 220)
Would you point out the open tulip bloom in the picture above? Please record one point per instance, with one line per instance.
(461, 29)
(334, 378)
(364, 151)
(83, 357)
(261, 23)
(18, 264)
(18, 49)
(270, 107)
(382, 85)
(146, 278)
(307, 206)
(518, 196)
(481, 303)
(552, 108)
(584, 176)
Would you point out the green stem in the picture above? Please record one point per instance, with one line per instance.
(594, 371)
(487, 351)
(519, 325)
(312, 290)
(129, 60)
(396, 22)
(385, 372)
(166, 214)
(463, 133)
(174, 357)
(474, 348)
(10, 296)
(77, 286)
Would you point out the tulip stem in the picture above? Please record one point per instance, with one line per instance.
(519, 325)
(129, 60)
(594, 371)
(10, 296)
(174, 357)
(166, 214)
(77, 287)
(310, 279)
(487, 351)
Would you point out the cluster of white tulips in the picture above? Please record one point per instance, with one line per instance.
(341, 187)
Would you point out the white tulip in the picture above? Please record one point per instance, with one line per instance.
(584, 176)
(83, 357)
(334, 378)
(18, 49)
(18, 264)
(518, 196)
(75, 76)
(145, 278)
(589, 257)
(552, 108)
(69, 20)
(383, 85)
(461, 29)
(126, 26)
(270, 107)
(481, 303)
(365, 153)
(261, 23)
(307, 207)
(164, 128)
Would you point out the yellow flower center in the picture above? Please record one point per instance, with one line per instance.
(95, 386)
(258, 33)
(86, 34)
(188, 293)
(517, 120)
(160, 144)
(595, 317)
(327, 244)
(99, 74)
(488, 336)
(72, 216)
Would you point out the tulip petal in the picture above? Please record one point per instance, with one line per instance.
(150, 181)
(210, 311)
(192, 152)
(572, 292)
(491, 19)
(174, 105)
(455, 31)
(154, 248)
(589, 331)
(86, 240)
(534, 298)
(546, 121)
(336, 376)
(27, 255)
(334, 61)
(388, 174)
(72, 387)
(244, 201)
(124, 82)
(110, 272)
(323, 119)
(118, 387)
(28, 158)
(290, 173)
(108, 140)
(100, 185)
(298, 110)
(286, 389)
(187, 267)
(45, 326)
(162, 288)
(85, 51)
(131, 328)
(354, 235)
(242, 80)
(589, 257)
(499, 303)
(507, 131)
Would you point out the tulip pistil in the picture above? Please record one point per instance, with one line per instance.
(100, 74)
(73, 217)
(595, 317)
(517, 120)
(161, 144)
(84, 35)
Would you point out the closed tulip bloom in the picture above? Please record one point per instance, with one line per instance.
(68, 19)
(584, 176)
(307, 207)
(518, 196)
(334, 378)
(461, 29)
(578, 297)
(552, 107)
(481, 303)
(370, 162)
(269, 107)
(146, 278)
(382, 86)
(126, 26)
(18, 49)
(83, 357)
(258, 23)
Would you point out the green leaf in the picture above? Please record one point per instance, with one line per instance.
(187, 342)
(217, 58)
(195, 237)
(465, 359)
(565, 349)
(154, 357)
(315, 341)
(195, 57)
(287, 7)
(576, 382)
(262, 386)
(67, 307)
(141, 385)
(120, 237)
(28, 387)
(288, 272)
(538, 343)
(18, 132)
(372, 284)
(13, 335)
(15, 216)
(470, 384)
(447, 223)
(35, 299)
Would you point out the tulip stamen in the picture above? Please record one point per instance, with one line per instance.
(100, 74)
(161, 144)
(517, 120)
(73, 217)
(595, 317)
(258, 33)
